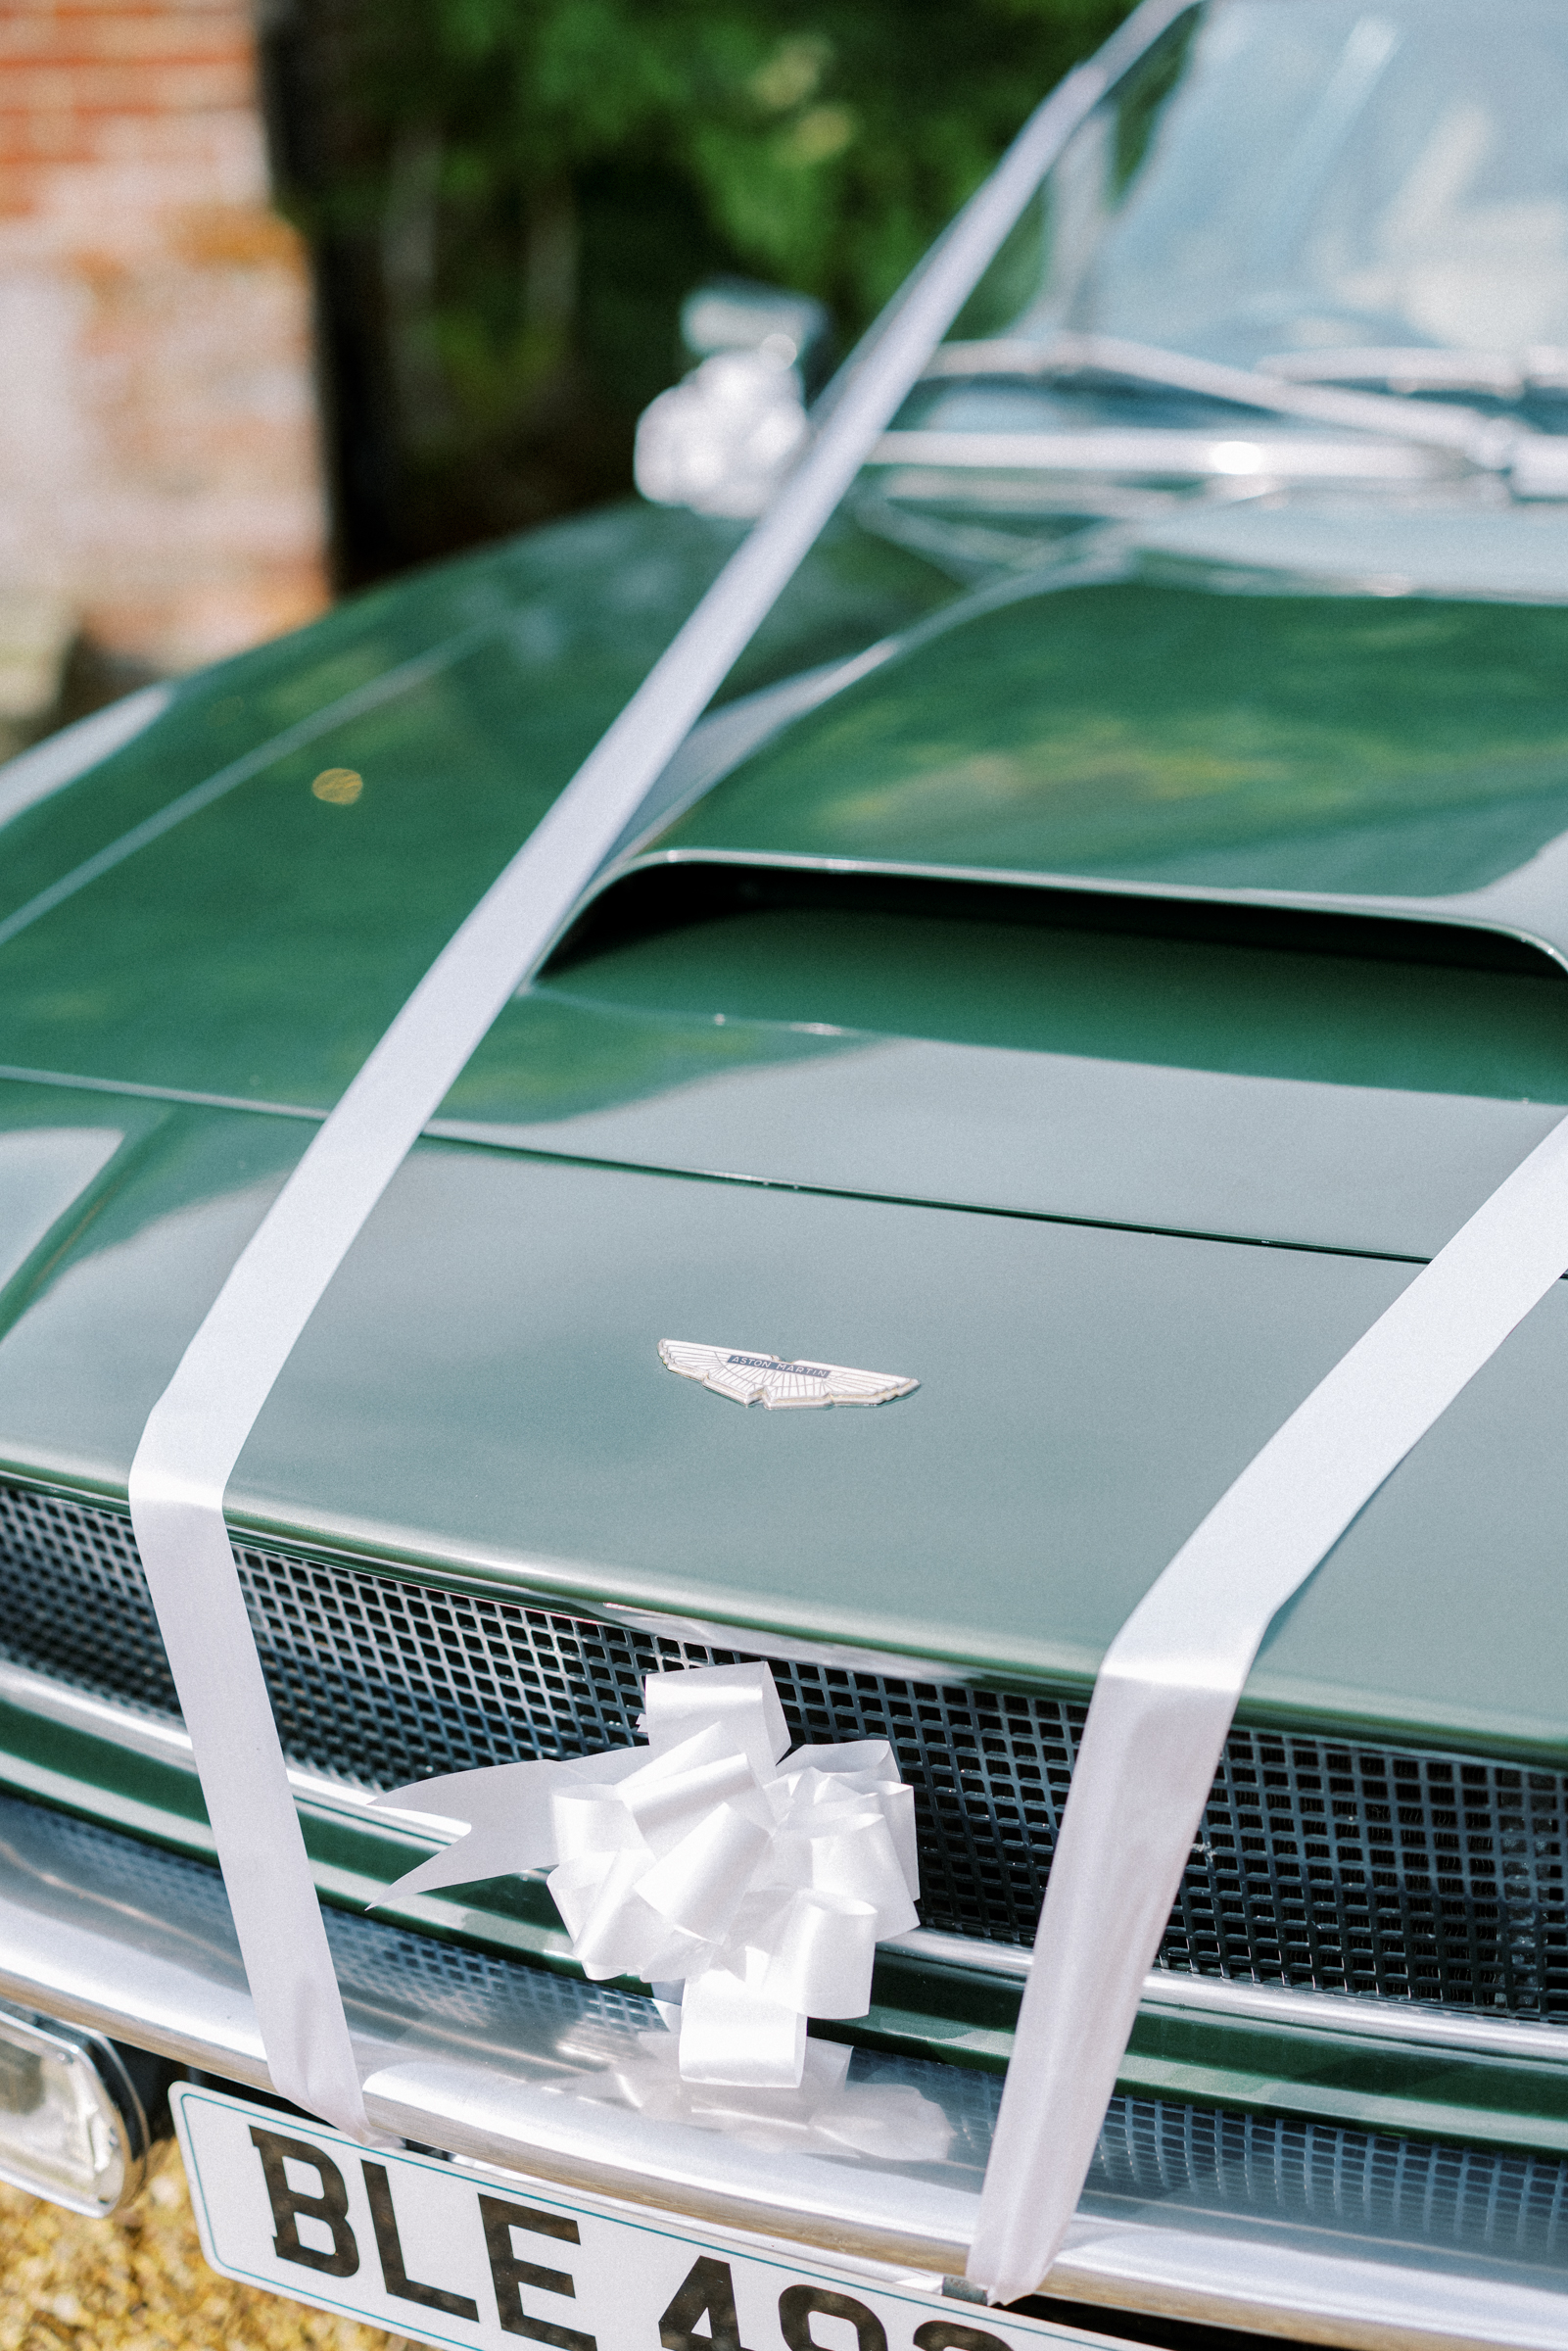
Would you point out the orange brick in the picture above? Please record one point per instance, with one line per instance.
(123, 35)
(117, 41)
(173, 88)
(45, 138)
(172, 306)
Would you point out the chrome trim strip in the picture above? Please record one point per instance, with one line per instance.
(1169, 456)
(167, 1742)
(1363, 2017)
(971, 1952)
(103, 1933)
(79, 1710)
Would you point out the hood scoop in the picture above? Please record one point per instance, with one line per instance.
(1330, 1081)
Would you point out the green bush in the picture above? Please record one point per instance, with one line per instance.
(508, 197)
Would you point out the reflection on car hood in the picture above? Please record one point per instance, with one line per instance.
(189, 914)
(1252, 704)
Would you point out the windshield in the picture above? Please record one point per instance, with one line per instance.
(1307, 249)
(1312, 180)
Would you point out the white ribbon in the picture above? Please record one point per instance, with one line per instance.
(702, 1860)
(197, 1430)
(1168, 1686)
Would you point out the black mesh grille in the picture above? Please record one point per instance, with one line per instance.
(1435, 1876)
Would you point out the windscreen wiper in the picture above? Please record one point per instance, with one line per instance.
(1537, 462)
(1415, 368)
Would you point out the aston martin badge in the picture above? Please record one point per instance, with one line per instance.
(744, 1378)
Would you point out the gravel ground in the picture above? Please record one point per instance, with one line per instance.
(139, 2284)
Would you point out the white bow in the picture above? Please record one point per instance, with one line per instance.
(703, 1862)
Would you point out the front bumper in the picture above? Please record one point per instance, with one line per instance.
(487, 2058)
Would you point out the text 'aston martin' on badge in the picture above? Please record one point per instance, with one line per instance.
(744, 1378)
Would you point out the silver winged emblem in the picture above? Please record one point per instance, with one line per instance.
(744, 1378)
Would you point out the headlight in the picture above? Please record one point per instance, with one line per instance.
(72, 2126)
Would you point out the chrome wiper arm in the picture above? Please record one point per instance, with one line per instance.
(1487, 443)
(1412, 367)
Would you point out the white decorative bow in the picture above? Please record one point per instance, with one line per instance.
(703, 1862)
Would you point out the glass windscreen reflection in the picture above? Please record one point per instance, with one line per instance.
(1283, 177)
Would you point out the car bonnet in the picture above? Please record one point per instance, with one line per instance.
(1115, 1193)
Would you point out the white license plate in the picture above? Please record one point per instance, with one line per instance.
(446, 2255)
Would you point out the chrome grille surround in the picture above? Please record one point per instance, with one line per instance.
(1421, 1876)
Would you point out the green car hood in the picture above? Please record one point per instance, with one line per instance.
(189, 914)
(1153, 732)
(1115, 1195)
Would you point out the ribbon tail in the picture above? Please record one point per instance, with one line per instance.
(510, 1819)
(266, 1873)
(731, 2036)
(1113, 1879)
(1171, 1678)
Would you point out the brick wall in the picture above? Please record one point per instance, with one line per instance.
(159, 487)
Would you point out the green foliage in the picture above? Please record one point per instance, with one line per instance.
(538, 181)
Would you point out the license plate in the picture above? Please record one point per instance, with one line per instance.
(443, 2254)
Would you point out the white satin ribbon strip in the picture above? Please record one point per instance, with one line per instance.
(197, 1429)
(1168, 1686)
(761, 1885)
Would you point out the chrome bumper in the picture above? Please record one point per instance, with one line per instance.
(509, 2064)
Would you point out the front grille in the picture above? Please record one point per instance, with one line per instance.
(1365, 1869)
(1503, 2205)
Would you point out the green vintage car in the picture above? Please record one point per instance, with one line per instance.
(1110, 929)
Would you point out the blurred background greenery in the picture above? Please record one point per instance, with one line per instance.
(505, 201)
